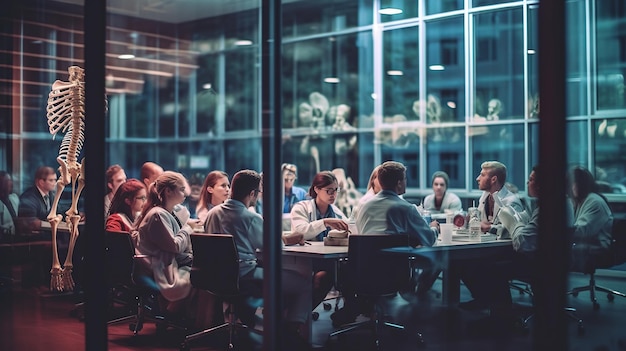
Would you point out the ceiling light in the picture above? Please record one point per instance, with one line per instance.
(331, 80)
(207, 86)
(531, 51)
(436, 67)
(243, 42)
(451, 104)
(390, 11)
(126, 57)
(395, 72)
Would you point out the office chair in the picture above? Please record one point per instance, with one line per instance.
(130, 286)
(614, 256)
(375, 275)
(216, 270)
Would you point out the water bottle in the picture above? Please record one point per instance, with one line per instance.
(427, 217)
(474, 226)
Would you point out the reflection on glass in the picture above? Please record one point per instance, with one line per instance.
(499, 56)
(504, 143)
(301, 18)
(394, 10)
(611, 54)
(438, 6)
(576, 64)
(445, 70)
(610, 143)
(400, 72)
(445, 150)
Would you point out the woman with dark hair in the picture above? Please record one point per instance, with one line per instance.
(314, 218)
(593, 220)
(215, 190)
(126, 205)
(441, 200)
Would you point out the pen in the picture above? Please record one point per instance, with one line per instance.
(307, 243)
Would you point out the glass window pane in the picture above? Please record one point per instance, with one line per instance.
(400, 72)
(576, 63)
(394, 10)
(532, 108)
(445, 77)
(499, 54)
(445, 151)
(577, 143)
(302, 18)
(438, 6)
(610, 153)
(611, 53)
(504, 143)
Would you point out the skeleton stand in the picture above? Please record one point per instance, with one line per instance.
(66, 113)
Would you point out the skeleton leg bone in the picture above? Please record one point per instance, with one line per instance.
(56, 272)
(72, 218)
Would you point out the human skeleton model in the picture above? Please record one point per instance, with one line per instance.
(66, 113)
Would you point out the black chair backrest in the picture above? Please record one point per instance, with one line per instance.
(376, 273)
(215, 264)
(119, 258)
(618, 233)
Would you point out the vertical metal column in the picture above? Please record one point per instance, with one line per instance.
(550, 328)
(271, 23)
(93, 237)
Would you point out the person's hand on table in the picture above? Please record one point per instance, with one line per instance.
(485, 227)
(293, 238)
(336, 223)
(435, 224)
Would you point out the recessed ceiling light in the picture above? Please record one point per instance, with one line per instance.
(332, 80)
(390, 11)
(436, 67)
(126, 57)
(531, 51)
(395, 72)
(243, 42)
(451, 104)
(207, 86)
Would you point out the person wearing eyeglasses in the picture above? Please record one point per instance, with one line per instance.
(314, 218)
(126, 205)
(292, 194)
(35, 202)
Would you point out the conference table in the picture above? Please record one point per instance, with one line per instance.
(449, 256)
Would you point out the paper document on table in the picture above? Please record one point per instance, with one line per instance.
(481, 238)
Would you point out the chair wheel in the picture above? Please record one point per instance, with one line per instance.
(610, 297)
(327, 306)
(420, 340)
(184, 347)
(135, 327)
(596, 306)
(581, 330)
(575, 294)
(315, 316)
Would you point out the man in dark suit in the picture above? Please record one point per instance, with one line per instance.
(35, 201)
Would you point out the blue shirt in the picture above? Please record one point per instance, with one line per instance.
(297, 194)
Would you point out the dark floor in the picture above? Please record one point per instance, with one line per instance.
(31, 319)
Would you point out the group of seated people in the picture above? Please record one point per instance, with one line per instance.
(154, 210)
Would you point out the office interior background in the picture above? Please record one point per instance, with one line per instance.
(435, 84)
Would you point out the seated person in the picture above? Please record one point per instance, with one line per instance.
(8, 207)
(495, 195)
(126, 205)
(373, 187)
(165, 240)
(593, 219)
(292, 194)
(246, 227)
(442, 201)
(387, 213)
(215, 190)
(36, 201)
(314, 218)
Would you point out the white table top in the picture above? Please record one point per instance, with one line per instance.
(316, 249)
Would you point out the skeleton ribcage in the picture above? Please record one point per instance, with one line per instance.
(66, 113)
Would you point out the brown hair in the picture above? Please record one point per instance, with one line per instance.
(321, 180)
(209, 181)
(127, 190)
